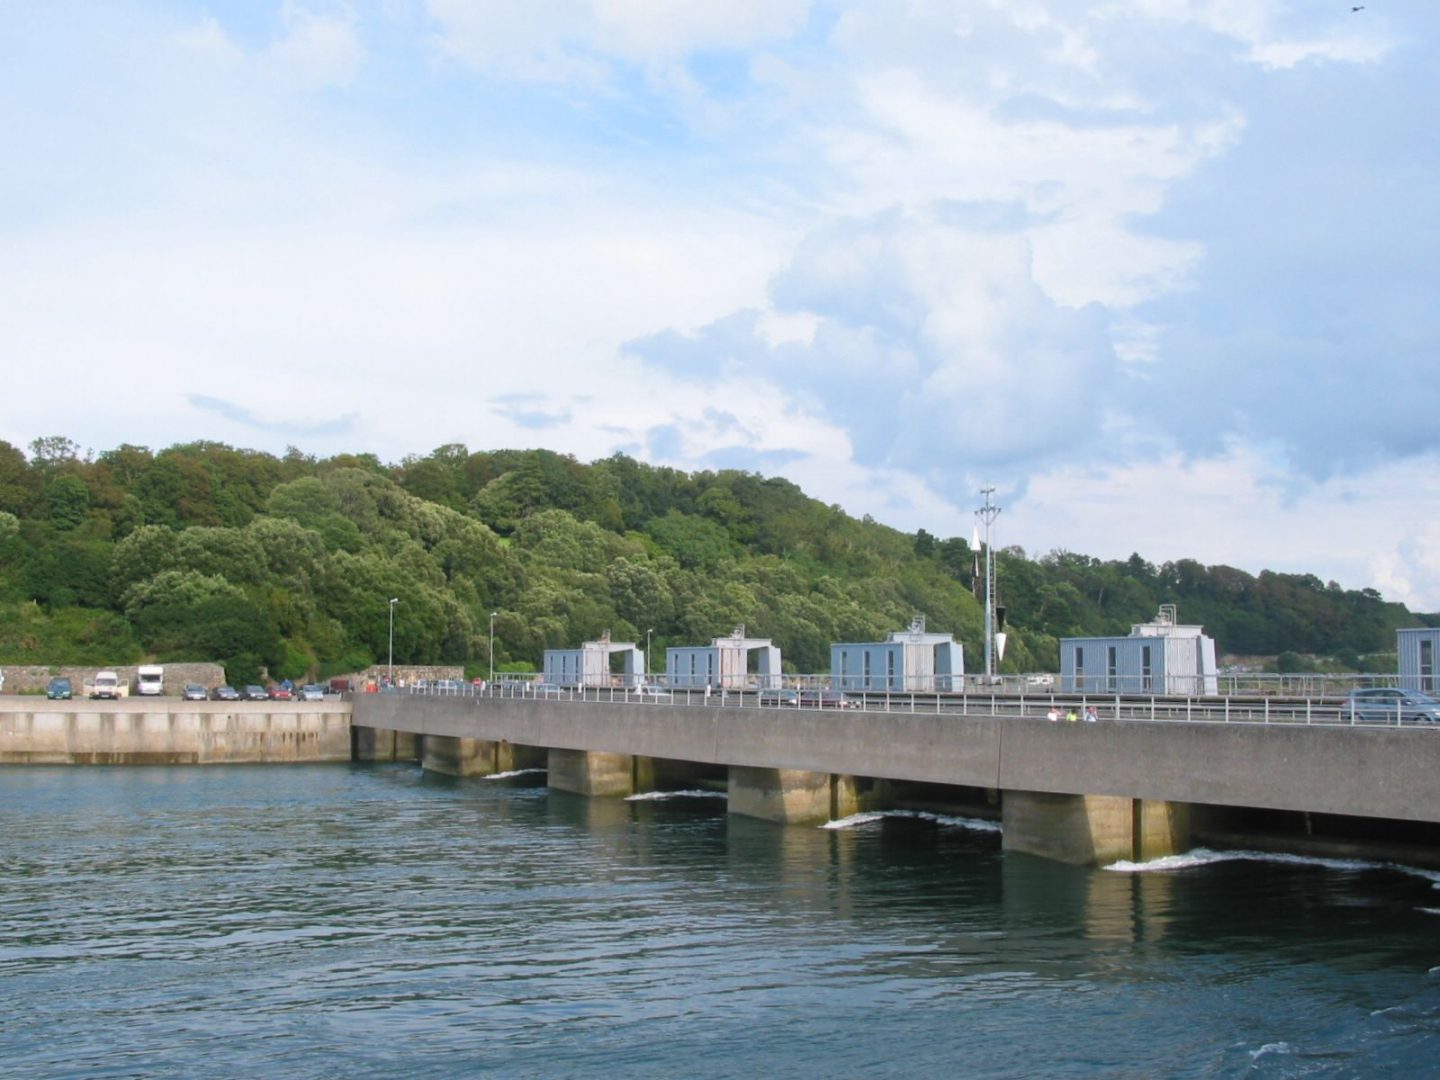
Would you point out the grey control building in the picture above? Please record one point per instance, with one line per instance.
(1159, 657)
(724, 664)
(907, 660)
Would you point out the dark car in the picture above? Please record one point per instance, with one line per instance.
(281, 692)
(256, 693)
(225, 693)
(59, 689)
(1385, 704)
(193, 692)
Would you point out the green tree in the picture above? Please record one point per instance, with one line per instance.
(67, 501)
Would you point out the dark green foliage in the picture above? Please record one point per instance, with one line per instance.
(203, 551)
(227, 629)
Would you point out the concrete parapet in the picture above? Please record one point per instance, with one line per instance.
(1093, 830)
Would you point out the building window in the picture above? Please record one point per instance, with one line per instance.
(1427, 665)
(844, 668)
(1147, 678)
(1079, 668)
(1110, 667)
(890, 670)
(866, 682)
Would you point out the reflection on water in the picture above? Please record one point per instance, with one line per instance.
(380, 921)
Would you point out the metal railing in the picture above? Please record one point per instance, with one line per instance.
(1325, 709)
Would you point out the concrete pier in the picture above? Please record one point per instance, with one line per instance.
(591, 772)
(791, 796)
(1090, 830)
(381, 744)
(453, 756)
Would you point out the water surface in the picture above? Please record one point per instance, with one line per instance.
(376, 921)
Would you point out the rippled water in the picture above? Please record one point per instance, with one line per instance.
(372, 921)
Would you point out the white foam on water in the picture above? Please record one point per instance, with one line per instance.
(512, 772)
(1272, 1048)
(657, 796)
(852, 821)
(1206, 857)
(978, 824)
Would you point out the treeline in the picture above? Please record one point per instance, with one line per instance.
(206, 552)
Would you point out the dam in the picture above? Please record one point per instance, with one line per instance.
(1081, 793)
(1135, 785)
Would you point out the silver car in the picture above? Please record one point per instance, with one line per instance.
(1384, 704)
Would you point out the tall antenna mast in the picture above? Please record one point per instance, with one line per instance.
(987, 514)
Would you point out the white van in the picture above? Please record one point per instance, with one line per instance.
(107, 686)
(150, 680)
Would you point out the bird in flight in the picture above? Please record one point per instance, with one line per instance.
(1359, 7)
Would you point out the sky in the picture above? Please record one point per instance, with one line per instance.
(1162, 272)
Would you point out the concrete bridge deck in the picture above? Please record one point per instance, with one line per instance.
(1080, 792)
(1381, 772)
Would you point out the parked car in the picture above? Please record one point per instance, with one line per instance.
(1384, 704)
(312, 692)
(445, 686)
(773, 697)
(59, 689)
(256, 693)
(339, 686)
(193, 692)
(543, 689)
(280, 692)
(225, 693)
(651, 693)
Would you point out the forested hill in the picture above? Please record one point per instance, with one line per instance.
(205, 552)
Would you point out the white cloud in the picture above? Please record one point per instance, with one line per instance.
(317, 49)
(1242, 508)
(1275, 33)
(891, 251)
(578, 40)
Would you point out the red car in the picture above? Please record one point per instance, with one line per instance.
(280, 693)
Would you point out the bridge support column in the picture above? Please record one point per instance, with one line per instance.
(453, 756)
(1093, 830)
(591, 772)
(791, 796)
(382, 744)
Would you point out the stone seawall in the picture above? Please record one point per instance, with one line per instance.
(34, 678)
(160, 731)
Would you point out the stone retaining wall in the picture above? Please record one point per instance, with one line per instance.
(405, 674)
(34, 678)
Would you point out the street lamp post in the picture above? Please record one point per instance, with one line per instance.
(393, 601)
(987, 515)
(492, 649)
(647, 652)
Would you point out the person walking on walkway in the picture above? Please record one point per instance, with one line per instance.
(1090, 714)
